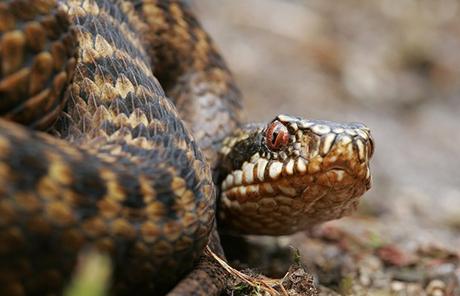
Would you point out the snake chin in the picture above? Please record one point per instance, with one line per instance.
(291, 203)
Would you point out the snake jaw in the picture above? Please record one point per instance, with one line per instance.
(318, 176)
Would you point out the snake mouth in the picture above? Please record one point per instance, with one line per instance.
(294, 179)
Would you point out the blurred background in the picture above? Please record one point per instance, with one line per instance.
(391, 64)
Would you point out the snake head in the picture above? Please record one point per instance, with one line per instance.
(292, 173)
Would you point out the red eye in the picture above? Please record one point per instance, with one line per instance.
(277, 135)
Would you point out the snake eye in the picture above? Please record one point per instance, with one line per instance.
(277, 135)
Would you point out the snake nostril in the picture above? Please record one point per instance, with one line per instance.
(371, 148)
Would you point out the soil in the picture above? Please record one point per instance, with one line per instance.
(394, 65)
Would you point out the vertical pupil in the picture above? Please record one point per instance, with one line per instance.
(275, 135)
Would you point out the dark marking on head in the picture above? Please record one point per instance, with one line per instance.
(244, 149)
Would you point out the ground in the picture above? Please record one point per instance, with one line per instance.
(394, 65)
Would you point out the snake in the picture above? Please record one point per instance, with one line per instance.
(121, 131)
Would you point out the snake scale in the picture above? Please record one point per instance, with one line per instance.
(120, 126)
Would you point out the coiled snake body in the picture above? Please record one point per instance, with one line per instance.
(121, 168)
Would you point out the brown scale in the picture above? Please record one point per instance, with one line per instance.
(176, 41)
(35, 62)
(127, 176)
(123, 183)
